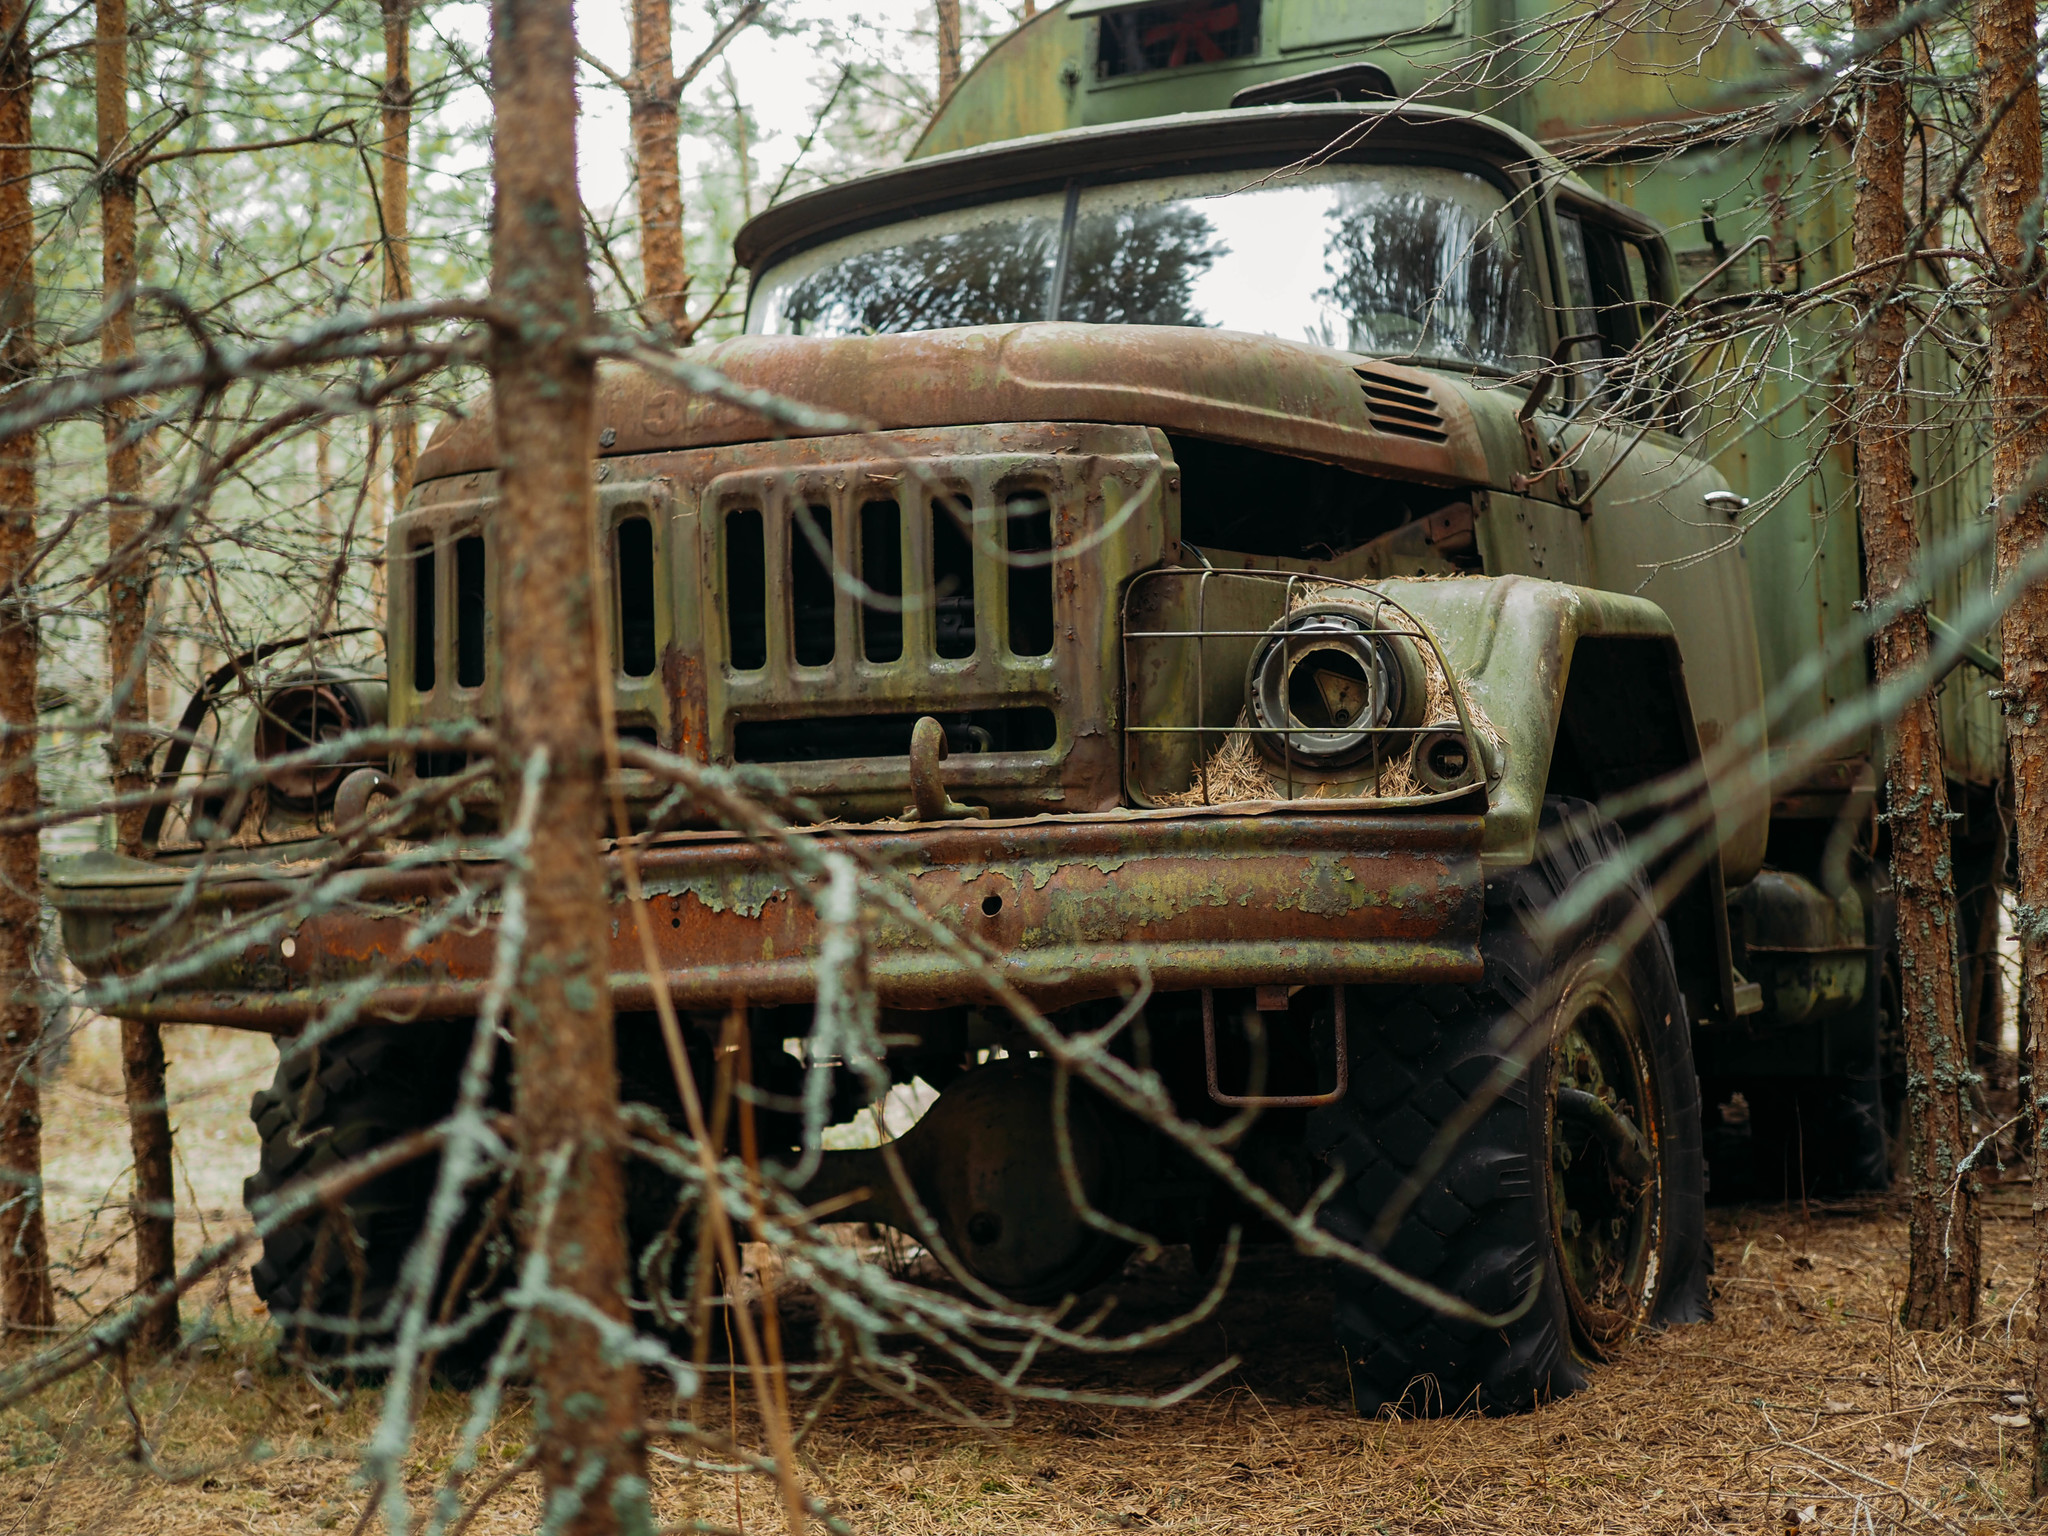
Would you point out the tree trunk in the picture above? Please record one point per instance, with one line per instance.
(128, 588)
(149, 1138)
(2023, 1136)
(1941, 1287)
(565, 1091)
(142, 1050)
(741, 149)
(655, 94)
(949, 47)
(2008, 187)
(25, 1297)
(395, 212)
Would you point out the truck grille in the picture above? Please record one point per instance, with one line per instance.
(830, 593)
(804, 603)
(848, 598)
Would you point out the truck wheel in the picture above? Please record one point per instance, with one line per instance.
(374, 1084)
(1584, 1180)
(325, 1108)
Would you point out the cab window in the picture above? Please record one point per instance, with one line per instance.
(1608, 292)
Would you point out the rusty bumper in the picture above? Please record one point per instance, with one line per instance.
(1076, 908)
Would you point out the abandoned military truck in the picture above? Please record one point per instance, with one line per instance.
(1260, 606)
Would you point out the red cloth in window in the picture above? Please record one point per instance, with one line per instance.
(1196, 31)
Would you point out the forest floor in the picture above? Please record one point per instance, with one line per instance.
(1800, 1407)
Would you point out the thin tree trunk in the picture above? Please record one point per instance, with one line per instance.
(1941, 1287)
(128, 590)
(142, 1050)
(2008, 190)
(2023, 1134)
(323, 473)
(394, 200)
(25, 1297)
(741, 148)
(663, 272)
(565, 1092)
(949, 47)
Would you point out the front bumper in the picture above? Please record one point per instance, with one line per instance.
(1075, 907)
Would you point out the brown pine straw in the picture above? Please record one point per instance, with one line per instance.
(1801, 1408)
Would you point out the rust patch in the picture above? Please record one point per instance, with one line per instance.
(1075, 910)
(682, 670)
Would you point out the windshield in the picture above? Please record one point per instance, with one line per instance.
(1404, 261)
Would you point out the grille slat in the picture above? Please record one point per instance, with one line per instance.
(1400, 408)
(1027, 521)
(952, 578)
(746, 589)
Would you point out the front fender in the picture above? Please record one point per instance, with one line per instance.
(1587, 690)
(1512, 641)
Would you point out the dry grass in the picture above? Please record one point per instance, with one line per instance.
(212, 1073)
(1800, 1406)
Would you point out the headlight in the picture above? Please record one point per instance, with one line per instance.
(302, 713)
(1324, 681)
(1443, 761)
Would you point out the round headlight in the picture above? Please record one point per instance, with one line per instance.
(300, 714)
(1329, 682)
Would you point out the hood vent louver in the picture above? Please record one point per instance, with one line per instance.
(1400, 408)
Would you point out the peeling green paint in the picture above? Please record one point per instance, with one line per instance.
(746, 892)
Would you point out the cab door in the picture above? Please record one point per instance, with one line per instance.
(1658, 520)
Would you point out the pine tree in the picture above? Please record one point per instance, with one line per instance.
(565, 1077)
(26, 1301)
(128, 653)
(1942, 1285)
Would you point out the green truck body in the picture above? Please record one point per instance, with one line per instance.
(1281, 677)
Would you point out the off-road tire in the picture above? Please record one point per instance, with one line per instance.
(372, 1085)
(1483, 1227)
(324, 1108)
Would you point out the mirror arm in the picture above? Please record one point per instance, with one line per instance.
(1540, 390)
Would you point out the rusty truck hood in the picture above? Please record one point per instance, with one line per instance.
(1287, 397)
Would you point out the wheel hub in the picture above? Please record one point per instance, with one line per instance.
(1604, 1185)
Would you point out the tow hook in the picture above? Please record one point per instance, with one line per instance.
(930, 802)
(352, 800)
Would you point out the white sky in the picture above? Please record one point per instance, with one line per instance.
(781, 80)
